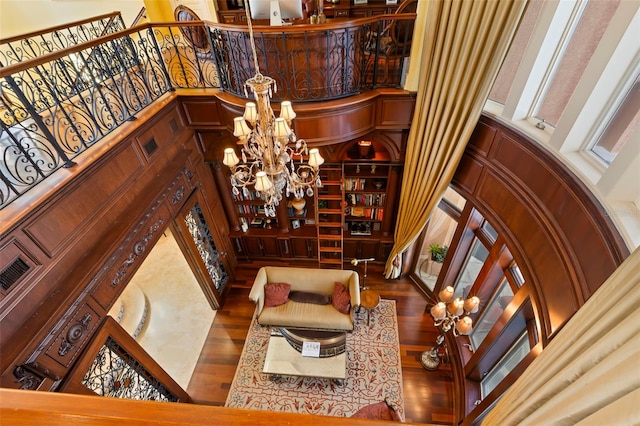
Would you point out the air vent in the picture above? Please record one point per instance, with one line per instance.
(150, 146)
(12, 273)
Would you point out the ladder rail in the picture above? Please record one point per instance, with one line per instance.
(330, 217)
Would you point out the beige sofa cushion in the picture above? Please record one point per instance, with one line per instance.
(305, 315)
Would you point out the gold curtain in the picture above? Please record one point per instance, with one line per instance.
(588, 374)
(462, 49)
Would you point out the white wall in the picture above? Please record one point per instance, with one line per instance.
(23, 16)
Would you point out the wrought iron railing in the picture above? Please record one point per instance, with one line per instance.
(56, 105)
(317, 62)
(117, 374)
(33, 45)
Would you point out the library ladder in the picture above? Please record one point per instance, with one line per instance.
(330, 217)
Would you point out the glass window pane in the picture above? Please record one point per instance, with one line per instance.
(472, 266)
(621, 126)
(568, 71)
(454, 198)
(489, 230)
(440, 230)
(506, 364)
(508, 69)
(517, 274)
(491, 313)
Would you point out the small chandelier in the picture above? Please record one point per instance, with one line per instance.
(449, 314)
(272, 156)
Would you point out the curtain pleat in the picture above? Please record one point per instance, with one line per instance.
(463, 46)
(589, 373)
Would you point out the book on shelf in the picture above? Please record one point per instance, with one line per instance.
(365, 212)
(257, 222)
(366, 199)
(352, 184)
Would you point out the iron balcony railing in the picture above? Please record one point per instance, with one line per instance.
(33, 45)
(56, 105)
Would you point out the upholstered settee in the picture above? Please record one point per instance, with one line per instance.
(318, 282)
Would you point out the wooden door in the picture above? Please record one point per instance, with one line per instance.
(203, 248)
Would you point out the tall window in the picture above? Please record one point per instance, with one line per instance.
(621, 125)
(584, 30)
(439, 230)
(517, 352)
(471, 269)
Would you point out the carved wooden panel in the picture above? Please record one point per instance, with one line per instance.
(70, 340)
(130, 254)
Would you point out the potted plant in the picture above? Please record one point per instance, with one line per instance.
(438, 252)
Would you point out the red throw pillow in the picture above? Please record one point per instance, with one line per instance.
(340, 298)
(378, 411)
(276, 294)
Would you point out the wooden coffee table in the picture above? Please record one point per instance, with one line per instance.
(369, 300)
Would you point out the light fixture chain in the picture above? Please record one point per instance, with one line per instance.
(251, 39)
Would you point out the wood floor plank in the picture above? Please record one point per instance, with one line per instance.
(428, 394)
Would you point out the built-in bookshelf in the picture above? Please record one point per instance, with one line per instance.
(251, 212)
(365, 197)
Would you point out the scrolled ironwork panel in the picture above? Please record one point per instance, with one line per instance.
(50, 41)
(201, 234)
(115, 373)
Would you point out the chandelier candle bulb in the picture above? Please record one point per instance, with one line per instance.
(240, 128)
(263, 183)
(315, 159)
(439, 311)
(230, 157)
(281, 129)
(250, 112)
(456, 307)
(446, 294)
(471, 305)
(286, 111)
(464, 326)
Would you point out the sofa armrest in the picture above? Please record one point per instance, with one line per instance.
(257, 290)
(354, 289)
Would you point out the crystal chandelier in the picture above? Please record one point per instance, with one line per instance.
(273, 159)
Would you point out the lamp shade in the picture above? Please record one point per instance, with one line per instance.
(464, 326)
(250, 112)
(230, 158)
(315, 159)
(263, 183)
(446, 294)
(286, 111)
(281, 128)
(456, 307)
(439, 311)
(471, 304)
(240, 128)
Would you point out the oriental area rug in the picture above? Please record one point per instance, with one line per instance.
(374, 372)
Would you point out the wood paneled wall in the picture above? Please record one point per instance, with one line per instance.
(562, 237)
(559, 234)
(84, 241)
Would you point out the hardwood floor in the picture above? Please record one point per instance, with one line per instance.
(428, 395)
